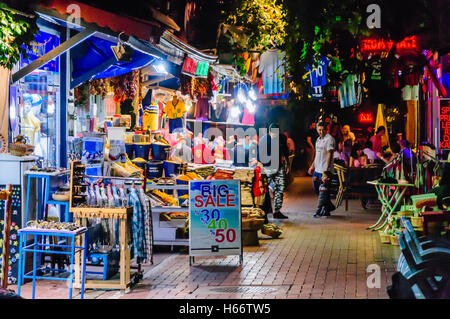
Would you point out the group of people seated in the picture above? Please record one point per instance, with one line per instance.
(352, 152)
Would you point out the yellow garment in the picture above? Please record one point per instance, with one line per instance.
(175, 111)
(411, 122)
(30, 126)
(150, 118)
(380, 121)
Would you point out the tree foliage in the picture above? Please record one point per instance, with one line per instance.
(264, 22)
(16, 34)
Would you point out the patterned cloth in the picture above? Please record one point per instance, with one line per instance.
(137, 225)
(148, 226)
(278, 180)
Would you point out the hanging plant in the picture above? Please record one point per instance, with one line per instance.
(126, 86)
(16, 34)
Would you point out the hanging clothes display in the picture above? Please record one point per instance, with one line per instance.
(150, 117)
(137, 225)
(349, 92)
(148, 226)
(271, 65)
(202, 109)
(175, 110)
(248, 118)
(219, 111)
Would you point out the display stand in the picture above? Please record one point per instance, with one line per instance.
(165, 231)
(215, 219)
(124, 216)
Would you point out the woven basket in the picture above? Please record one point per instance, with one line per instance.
(385, 238)
(394, 240)
(417, 222)
(20, 148)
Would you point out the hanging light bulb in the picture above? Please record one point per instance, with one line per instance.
(241, 96)
(235, 111)
(250, 106)
(252, 94)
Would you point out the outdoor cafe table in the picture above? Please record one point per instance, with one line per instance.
(389, 205)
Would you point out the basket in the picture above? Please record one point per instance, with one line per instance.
(417, 222)
(20, 148)
(274, 233)
(394, 240)
(385, 238)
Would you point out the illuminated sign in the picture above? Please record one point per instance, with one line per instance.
(381, 45)
(444, 124)
(194, 68)
(365, 118)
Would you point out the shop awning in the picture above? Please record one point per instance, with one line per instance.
(68, 9)
(94, 59)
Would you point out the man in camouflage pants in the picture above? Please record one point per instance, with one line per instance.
(275, 173)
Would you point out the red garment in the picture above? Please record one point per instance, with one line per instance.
(202, 154)
(258, 187)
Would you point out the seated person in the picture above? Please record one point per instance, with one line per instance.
(371, 155)
(339, 155)
(357, 157)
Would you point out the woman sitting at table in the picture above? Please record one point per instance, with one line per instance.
(357, 157)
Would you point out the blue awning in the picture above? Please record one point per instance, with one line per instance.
(94, 59)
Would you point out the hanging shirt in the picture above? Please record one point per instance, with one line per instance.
(318, 75)
(150, 117)
(271, 66)
(248, 118)
(176, 110)
(202, 109)
(202, 154)
(350, 92)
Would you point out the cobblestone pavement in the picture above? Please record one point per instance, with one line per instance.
(315, 258)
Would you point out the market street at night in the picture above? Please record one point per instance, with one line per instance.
(224, 150)
(314, 259)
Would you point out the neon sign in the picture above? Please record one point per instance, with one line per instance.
(365, 118)
(380, 45)
(444, 124)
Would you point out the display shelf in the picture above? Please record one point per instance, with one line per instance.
(170, 209)
(174, 242)
(151, 186)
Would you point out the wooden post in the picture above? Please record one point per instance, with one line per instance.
(6, 195)
(123, 252)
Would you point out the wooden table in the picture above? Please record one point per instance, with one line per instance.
(434, 216)
(389, 205)
(123, 215)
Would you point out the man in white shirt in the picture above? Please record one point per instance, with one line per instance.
(325, 146)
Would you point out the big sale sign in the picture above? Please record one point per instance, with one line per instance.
(215, 218)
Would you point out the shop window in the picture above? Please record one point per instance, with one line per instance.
(37, 100)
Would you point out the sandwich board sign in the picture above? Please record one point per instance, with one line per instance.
(215, 218)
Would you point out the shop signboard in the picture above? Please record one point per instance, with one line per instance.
(444, 124)
(214, 218)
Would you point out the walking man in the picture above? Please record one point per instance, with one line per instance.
(323, 161)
